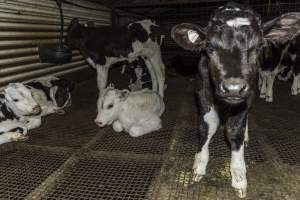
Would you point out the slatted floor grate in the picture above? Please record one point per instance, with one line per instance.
(157, 166)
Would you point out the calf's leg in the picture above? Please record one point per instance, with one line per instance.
(152, 74)
(33, 122)
(236, 129)
(102, 76)
(208, 127)
(12, 131)
(117, 126)
(263, 87)
(270, 83)
(159, 69)
(148, 126)
(209, 119)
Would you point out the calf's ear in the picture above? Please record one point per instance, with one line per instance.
(189, 36)
(283, 28)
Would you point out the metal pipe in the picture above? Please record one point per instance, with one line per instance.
(18, 60)
(31, 67)
(53, 13)
(17, 52)
(24, 35)
(36, 73)
(25, 43)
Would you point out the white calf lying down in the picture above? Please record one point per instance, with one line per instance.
(51, 93)
(136, 112)
(17, 113)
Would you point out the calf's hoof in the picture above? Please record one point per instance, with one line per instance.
(239, 182)
(269, 99)
(199, 168)
(135, 132)
(117, 127)
(263, 95)
(246, 143)
(241, 193)
(19, 137)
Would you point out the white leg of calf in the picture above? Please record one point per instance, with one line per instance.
(152, 74)
(159, 69)
(12, 136)
(270, 83)
(201, 159)
(33, 122)
(50, 109)
(263, 88)
(298, 85)
(102, 75)
(12, 131)
(149, 126)
(295, 85)
(117, 126)
(238, 172)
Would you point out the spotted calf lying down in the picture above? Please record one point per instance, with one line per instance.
(51, 93)
(136, 112)
(18, 111)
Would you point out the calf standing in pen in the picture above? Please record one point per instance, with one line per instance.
(137, 112)
(231, 44)
(281, 60)
(18, 113)
(104, 46)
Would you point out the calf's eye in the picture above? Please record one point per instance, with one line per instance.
(15, 100)
(110, 106)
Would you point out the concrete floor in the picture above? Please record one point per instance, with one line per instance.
(68, 157)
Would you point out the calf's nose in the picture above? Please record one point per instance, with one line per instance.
(100, 124)
(234, 87)
(36, 109)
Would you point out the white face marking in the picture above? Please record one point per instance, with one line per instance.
(239, 21)
(235, 9)
(201, 159)
(146, 24)
(192, 35)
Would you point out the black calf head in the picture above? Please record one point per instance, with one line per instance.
(62, 94)
(233, 40)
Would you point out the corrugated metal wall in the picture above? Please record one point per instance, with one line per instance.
(26, 23)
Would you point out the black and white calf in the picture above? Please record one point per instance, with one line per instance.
(51, 93)
(227, 78)
(279, 60)
(104, 46)
(294, 56)
(18, 111)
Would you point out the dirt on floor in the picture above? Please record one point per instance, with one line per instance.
(69, 157)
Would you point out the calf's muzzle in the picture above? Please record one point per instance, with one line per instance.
(234, 90)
